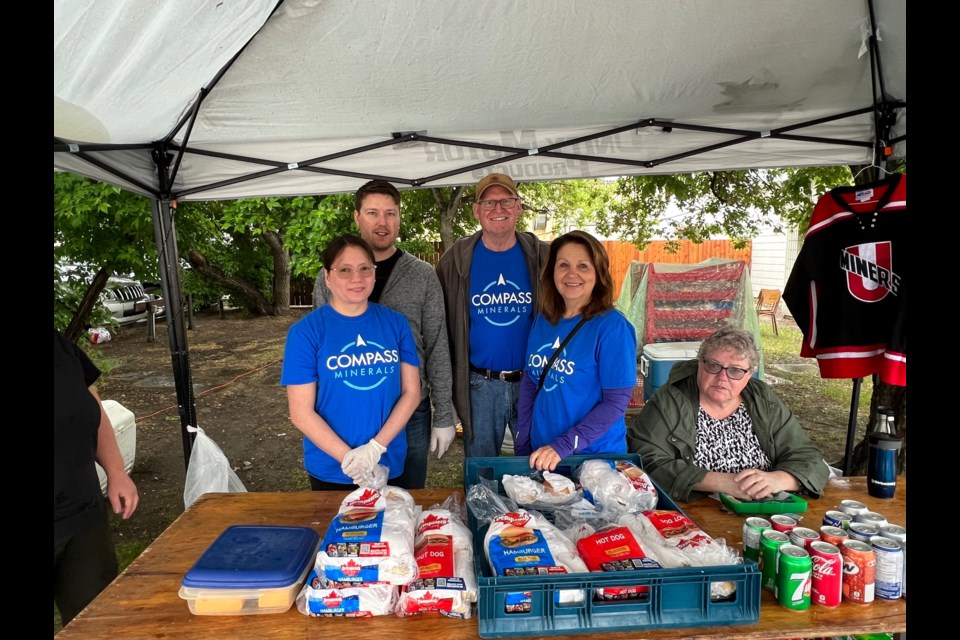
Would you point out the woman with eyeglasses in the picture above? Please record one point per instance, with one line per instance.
(352, 376)
(713, 428)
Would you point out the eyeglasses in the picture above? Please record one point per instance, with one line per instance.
(345, 273)
(490, 205)
(734, 373)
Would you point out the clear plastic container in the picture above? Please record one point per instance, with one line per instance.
(250, 570)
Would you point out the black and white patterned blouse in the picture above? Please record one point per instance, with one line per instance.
(729, 445)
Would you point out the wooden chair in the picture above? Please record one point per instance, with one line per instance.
(768, 302)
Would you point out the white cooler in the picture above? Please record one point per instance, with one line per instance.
(125, 428)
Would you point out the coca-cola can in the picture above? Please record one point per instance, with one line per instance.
(837, 519)
(871, 517)
(833, 535)
(826, 587)
(889, 571)
(853, 507)
(783, 523)
(802, 537)
(862, 531)
(859, 568)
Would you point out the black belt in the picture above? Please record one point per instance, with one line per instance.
(502, 376)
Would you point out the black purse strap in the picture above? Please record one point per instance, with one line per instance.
(543, 375)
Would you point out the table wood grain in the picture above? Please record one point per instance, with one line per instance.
(143, 602)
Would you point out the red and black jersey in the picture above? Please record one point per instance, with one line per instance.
(847, 288)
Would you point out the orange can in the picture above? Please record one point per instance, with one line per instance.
(859, 571)
(833, 535)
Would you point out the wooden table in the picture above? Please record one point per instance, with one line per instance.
(143, 602)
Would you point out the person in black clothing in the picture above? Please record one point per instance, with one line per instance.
(84, 560)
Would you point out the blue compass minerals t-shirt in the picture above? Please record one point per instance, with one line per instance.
(355, 362)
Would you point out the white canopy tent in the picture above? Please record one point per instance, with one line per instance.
(188, 100)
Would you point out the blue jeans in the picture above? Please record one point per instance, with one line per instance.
(414, 474)
(493, 406)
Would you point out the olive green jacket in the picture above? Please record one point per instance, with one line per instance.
(665, 435)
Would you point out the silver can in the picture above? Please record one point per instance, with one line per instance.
(889, 573)
(871, 517)
(898, 533)
(853, 507)
(803, 536)
(862, 531)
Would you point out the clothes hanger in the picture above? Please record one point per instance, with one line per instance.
(873, 164)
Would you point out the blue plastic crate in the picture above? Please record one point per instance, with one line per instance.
(676, 598)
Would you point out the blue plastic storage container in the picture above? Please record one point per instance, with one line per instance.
(676, 598)
(251, 569)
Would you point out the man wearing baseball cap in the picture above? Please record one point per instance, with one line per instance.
(490, 284)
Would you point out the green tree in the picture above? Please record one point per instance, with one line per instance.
(103, 228)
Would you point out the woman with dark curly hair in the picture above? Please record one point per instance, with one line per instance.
(578, 405)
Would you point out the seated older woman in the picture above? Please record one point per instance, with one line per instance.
(714, 428)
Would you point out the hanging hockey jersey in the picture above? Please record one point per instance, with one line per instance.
(847, 289)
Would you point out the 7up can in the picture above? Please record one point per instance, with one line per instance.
(752, 528)
(793, 577)
(770, 543)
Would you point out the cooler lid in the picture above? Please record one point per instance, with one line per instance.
(254, 557)
(671, 350)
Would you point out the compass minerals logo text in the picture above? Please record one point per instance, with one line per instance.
(502, 302)
(361, 367)
(559, 370)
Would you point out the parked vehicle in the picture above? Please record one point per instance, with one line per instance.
(127, 300)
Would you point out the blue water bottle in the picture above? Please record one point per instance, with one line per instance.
(883, 447)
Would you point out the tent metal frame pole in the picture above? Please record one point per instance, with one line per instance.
(165, 237)
(852, 427)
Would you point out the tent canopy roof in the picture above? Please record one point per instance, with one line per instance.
(316, 97)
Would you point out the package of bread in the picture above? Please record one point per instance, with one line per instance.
(320, 599)
(522, 543)
(447, 582)
(674, 540)
(553, 489)
(370, 540)
(618, 487)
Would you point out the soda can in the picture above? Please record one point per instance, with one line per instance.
(871, 517)
(837, 519)
(853, 507)
(793, 577)
(898, 533)
(770, 543)
(752, 528)
(833, 535)
(802, 537)
(889, 572)
(859, 567)
(826, 577)
(782, 523)
(862, 531)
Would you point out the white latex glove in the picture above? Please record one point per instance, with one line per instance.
(360, 461)
(440, 439)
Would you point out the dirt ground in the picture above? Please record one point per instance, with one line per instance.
(235, 365)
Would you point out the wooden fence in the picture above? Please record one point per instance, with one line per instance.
(620, 253)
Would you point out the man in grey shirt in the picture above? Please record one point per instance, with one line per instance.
(409, 285)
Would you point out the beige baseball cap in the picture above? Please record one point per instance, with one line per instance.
(501, 179)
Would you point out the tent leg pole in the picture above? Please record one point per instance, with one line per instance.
(852, 427)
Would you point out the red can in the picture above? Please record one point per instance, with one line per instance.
(826, 579)
(833, 535)
(859, 571)
(782, 523)
(802, 537)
